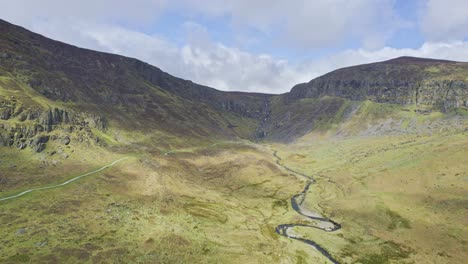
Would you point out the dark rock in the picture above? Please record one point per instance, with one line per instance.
(22, 145)
(40, 147)
(41, 139)
(38, 143)
(5, 113)
(54, 117)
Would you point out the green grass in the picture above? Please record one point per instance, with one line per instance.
(403, 190)
(221, 203)
(432, 69)
(396, 220)
(187, 207)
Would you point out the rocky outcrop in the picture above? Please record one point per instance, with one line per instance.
(441, 85)
(7, 109)
(17, 134)
(442, 94)
(38, 143)
(30, 127)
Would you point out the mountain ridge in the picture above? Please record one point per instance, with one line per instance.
(437, 84)
(127, 92)
(120, 87)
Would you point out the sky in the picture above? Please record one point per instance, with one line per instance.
(252, 45)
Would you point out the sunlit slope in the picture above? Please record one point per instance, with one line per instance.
(133, 94)
(213, 204)
(335, 116)
(399, 196)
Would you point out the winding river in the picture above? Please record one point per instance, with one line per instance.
(322, 223)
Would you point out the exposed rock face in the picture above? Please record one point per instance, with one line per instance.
(429, 83)
(39, 142)
(53, 117)
(30, 127)
(265, 121)
(7, 109)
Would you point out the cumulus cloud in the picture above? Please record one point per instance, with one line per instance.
(456, 50)
(27, 12)
(305, 23)
(200, 59)
(301, 23)
(445, 19)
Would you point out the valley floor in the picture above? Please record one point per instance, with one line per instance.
(399, 199)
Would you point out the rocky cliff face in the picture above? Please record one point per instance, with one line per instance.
(24, 127)
(436, 84)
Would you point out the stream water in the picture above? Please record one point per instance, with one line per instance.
(321, 222)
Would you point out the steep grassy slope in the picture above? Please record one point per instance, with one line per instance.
(128, 91)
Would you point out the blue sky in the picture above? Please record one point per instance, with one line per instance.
(262, 45)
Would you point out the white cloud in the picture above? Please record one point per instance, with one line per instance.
(445, 19)
(200, 59)
(300, 23)
(456, 50)
(215, 64)
(29, 11)
(305, 23)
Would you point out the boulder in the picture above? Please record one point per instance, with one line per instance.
(65, 140)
